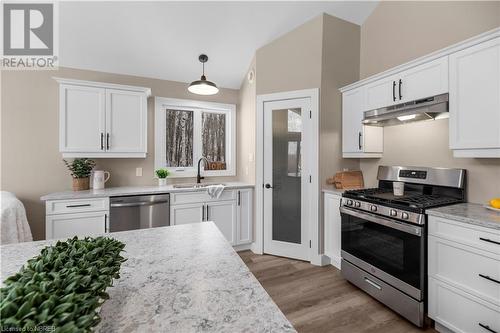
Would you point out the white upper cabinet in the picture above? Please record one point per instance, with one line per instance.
(102, 120)
(426, 80)
(381, 93)
(82, 117)
(126, 121)
(358, 140)
(475, 100)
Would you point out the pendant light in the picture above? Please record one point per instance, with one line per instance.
(203, 86)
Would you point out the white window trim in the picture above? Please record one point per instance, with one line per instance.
(162, 104)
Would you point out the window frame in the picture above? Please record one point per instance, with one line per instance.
(162, 104)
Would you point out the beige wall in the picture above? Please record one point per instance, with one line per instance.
(293, 61)
(31, 164)
(246, 127)
(397, 32)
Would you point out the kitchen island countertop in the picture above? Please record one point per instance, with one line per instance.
(184, 278)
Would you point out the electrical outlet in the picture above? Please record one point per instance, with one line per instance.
(250, 157)
(246, 170)
(138, 172)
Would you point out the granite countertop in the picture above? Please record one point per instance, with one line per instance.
(468, 213)
(327, 188)
(184, 278)
(131, 190)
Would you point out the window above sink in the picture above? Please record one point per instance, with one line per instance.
(186, 130)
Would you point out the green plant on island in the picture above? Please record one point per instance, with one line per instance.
(80, 167)
(62, 288)
(162, 173)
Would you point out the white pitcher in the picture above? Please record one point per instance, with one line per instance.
(99, 177)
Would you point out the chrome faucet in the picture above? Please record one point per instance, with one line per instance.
(199, 177)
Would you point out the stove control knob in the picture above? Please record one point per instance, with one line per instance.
(373, 208)
(405, 216)
(357, 204)
(394, 212)
(349, 202)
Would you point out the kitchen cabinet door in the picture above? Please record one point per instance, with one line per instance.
(426, 80)
(81, 120)
(475, 100)
(352, 115)
(79, 224)
(187, 213)
(358, 140)
(223, 214)
(244, 223)
(126, 121)
(332, 228)
(381, 93)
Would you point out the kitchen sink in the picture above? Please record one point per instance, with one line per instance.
(194, 185)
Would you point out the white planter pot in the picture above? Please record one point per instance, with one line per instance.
(162, 181)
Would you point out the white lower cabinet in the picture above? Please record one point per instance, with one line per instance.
(464, 276)
(332, 232)
(187, 213)
(232, 213)
(79, 224)
(223, 214)
(76, 217)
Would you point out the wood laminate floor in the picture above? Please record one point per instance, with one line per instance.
(317, 299)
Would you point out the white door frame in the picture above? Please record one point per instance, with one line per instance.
(313, 94)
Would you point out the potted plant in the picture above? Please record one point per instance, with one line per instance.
(80, 169)
(162, 176)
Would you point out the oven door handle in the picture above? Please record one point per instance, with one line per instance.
(414, 230)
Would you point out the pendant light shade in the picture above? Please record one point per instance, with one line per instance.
(203, 86)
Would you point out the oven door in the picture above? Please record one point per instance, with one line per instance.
(390, 250)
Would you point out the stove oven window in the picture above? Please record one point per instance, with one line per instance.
(395, 252)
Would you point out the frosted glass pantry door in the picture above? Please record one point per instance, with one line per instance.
(286, 130)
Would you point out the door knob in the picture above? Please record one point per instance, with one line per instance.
(268, 186)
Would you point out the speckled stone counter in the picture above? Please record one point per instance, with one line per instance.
(184, 278)
(132, 190)
(469, 213)
(332, 190)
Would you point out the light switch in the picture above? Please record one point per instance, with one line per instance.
(246, 170)
(250, 157)
(138, 172)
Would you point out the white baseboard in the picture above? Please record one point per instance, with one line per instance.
(320, 260)
(242, 247)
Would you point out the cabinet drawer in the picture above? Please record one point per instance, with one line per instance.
(478, 237)
(459, 311)
(475, 271)
(199, 196)
(76, 205)
(79, 224)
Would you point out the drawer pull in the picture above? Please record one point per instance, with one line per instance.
(486, 327)
(373, 284)
(489, 240)
(489, 278)
(74, 206)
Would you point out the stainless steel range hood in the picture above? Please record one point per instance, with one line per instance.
(435, 107)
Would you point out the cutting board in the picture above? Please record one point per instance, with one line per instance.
(347, 180)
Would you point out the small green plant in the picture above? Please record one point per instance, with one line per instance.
(162, 173)
(62, 287)
(80, 167)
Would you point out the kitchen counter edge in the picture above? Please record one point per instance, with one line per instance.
(469, 213)
(132, 190)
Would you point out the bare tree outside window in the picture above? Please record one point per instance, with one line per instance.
(214, 139)
(179, 137)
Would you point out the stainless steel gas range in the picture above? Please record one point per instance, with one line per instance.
(384, 237)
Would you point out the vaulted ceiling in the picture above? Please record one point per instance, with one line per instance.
(163, 39)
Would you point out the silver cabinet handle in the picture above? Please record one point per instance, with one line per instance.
(207, 213)
(107, 141)
(203, 213)
(373, 284)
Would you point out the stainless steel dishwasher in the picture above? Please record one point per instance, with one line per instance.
(139, 212)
